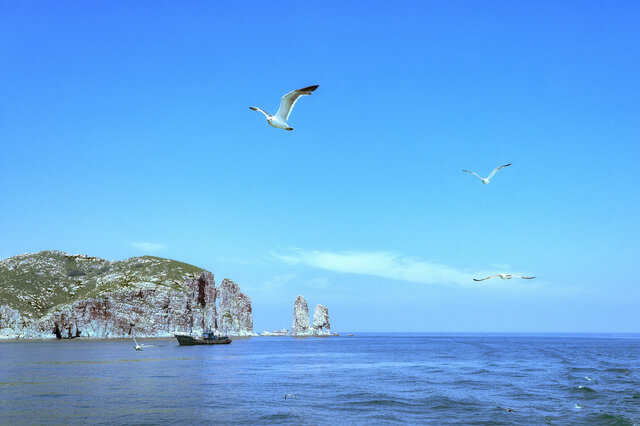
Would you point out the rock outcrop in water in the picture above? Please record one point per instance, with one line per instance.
(235, 316)
(321, 322)
(301, 326)
(54, 294)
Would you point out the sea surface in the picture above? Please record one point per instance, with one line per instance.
(367, 378)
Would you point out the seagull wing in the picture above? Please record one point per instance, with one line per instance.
(524, 278)
(473, 173)
(260, 110)
(134, 341)
(289, 100)
(482, 279)
(493, 172)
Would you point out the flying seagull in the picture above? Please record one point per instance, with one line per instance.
(504, 277)
(488, 179)
(286, 105)
(137, 347)
(290, 395)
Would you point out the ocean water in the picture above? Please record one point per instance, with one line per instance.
(368, 378)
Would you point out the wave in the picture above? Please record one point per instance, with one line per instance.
(615, 419)
(281, 417)
(620, 370)
(380, 403)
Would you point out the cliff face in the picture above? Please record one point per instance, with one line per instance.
(235, 315)
(53, 294)
(301, 326)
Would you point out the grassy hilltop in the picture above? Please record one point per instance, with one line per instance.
(35, 283)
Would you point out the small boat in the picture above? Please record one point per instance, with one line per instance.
(208, 338)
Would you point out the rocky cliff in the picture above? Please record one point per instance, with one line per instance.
(301, 326)
(234, 311)
(54, 294)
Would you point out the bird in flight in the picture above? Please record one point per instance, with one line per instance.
(137, 347)
(290, 395)
(286, 105)
(488, 178)
(504, 277)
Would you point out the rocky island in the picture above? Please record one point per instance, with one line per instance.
(52, 294)
(301, 326)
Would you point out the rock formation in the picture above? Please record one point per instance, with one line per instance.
(321, 324)
(234, 311)
(54, 294)
(301, 326)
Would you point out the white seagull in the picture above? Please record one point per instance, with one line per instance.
(137, 347)
(286, 105)
(504, 277)
(488, 179)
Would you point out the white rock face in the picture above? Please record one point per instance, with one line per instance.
(321, 324)
(11, 322)
(142, 297)
(143, 311)
(204, 293)
(235, 316)
(301, 325)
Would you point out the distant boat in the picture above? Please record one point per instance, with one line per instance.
(208, 338)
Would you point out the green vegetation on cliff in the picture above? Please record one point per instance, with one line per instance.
(35, 283)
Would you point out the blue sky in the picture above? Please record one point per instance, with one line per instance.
(125, 130)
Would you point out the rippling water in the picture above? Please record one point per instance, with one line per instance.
(370, 378)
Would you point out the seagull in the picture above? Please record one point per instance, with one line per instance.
(488, 179)
(137, 347)
(290, 395)
(508, 409)
(286, 105)
(504, 277)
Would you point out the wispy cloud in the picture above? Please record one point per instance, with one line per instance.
(148, 247)
(381, 264)
(279, 281)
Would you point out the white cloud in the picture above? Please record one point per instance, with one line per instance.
(381, 264)
(148, 247)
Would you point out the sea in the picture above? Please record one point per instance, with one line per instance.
(366, 378)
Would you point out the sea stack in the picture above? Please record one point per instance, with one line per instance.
(321, 324)
(234, 310)
(300, 325)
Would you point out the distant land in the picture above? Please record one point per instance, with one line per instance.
(52, 294)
